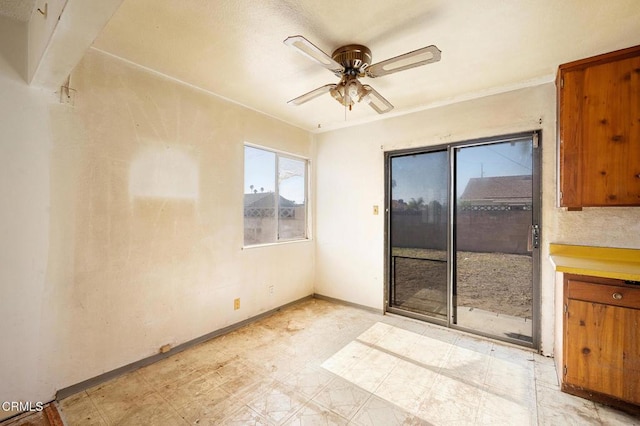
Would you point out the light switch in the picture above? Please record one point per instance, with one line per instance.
(375, 210)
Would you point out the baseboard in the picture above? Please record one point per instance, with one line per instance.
(89, 383)
(344, 302)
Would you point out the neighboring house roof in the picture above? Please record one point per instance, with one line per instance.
(500, 189)
(265, 200)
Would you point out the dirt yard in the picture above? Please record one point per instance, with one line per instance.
(495, 282)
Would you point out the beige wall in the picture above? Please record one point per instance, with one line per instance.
(147, 190)
(350, 180)
(40, 29)
(122, 224)
(13, 49)
(25, 146)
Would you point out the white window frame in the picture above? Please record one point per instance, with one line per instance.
(280, 154)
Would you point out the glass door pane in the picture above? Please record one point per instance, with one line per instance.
(418, 234)
(493, 278)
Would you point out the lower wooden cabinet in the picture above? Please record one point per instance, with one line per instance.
(602, 340)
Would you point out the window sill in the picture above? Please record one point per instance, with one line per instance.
(279, 243)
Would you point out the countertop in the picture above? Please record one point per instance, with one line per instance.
(607, 262)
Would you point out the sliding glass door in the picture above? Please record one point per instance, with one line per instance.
(493, 193)
(463, 236)
(418, 254)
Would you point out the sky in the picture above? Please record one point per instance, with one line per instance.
(259, 171)
(425, 175)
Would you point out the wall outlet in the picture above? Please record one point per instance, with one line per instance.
(271, 290)
(236, 304)
(165, 348)
(375, 210)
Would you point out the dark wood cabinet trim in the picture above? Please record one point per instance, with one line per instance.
(616, 55)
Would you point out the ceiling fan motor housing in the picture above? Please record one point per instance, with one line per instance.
(355, 58)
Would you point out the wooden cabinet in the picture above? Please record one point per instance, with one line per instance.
(602, 340)
(599, 130)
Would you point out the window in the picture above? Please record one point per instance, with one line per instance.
(275, 197)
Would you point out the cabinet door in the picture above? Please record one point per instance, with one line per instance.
(570, 128)
(611, 158)
(602, 351)
(631, 365)
(599, 109)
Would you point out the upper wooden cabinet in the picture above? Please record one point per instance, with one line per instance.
(599, 130)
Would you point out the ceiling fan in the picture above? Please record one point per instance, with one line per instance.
(353, 61)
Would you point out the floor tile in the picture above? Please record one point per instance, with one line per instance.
(502, 410)
(474, 344)
(379, 412)
(374, 333)
(309, 380)
(321, 363)
(191, 387)
(346, 357)
(511, 381)
(342, 397)
(431, 353)
(558, 408)
(246, 379)
(315, 415)
(515, 355)
(121, 394)
(398, 341)
(278, 403)
(148, 410)
(451, 402)
(443, 334)
(407, 386)
(245, 416)
(209, 409)
(78, 409)
(276, 368)
(466, 365)
(369, 371)
(613, 417)
(545, 372)
(167, 370)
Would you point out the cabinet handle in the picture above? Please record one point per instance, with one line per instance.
(617, 296)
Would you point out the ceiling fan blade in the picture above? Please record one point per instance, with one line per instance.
(376, 100)
(426, 55)
(311, 51)
(312, 94)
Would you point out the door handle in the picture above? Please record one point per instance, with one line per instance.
(534, 237)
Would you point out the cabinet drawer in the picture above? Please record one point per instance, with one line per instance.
(624, 296)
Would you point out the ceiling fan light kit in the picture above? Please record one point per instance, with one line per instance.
(352, 62)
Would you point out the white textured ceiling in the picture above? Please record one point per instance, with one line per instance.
(234, 48)
(20, 10)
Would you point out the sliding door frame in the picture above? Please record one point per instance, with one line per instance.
(536, 136)
(388, 264)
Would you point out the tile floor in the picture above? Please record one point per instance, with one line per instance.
(321, 363)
